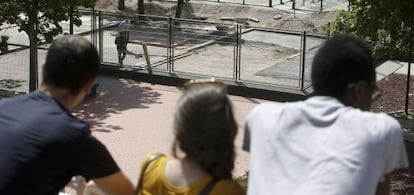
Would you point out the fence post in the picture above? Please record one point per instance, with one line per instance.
(409, 69)
(92, 15)
(93, 26)
(239, 34)
(303, 61)
(170, 49)
(100, 27)
(270, 3)
(236, 52)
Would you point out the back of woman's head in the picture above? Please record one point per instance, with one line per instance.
(205, 128)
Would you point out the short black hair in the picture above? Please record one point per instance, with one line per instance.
(342, 60)
(71, 62)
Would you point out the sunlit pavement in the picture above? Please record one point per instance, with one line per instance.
(134, 118)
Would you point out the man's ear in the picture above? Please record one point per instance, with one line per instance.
(359, 89)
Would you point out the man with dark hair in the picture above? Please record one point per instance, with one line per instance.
(329, 143)
(42, 145)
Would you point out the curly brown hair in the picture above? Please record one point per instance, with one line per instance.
(205, 128)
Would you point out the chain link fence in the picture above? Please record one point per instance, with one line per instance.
(230, 51)
(235, 51)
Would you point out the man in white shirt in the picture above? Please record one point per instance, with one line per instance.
(330, 143)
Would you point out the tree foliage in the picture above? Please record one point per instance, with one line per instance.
(386, 24)
(40, 17)
(45, 14)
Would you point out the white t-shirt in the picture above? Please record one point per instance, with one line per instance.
(320, 146)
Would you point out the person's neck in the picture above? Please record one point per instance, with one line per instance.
(63, 96)
(183, 172)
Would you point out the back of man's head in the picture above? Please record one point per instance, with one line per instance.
(341, 61)
(71, 62)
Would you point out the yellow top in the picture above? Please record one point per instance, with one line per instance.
(155, 182)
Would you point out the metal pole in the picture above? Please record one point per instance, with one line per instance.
(270, 3)
(100, 27)
(302, 77)
(235, 56)
(239, 55)
(409, 68)
(92, 21)
(95, 37)
(170, 50)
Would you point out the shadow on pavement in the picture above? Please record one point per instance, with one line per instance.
(115, 95)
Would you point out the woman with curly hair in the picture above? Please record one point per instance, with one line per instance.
(204, 128)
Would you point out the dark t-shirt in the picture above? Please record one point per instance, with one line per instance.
(121, 40)
(42, 146)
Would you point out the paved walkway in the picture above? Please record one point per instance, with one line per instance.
(390, 67)
(135, 118)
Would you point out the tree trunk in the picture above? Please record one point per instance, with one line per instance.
(141, 10)
(33, 80)
(141, 7)
(71, 20)
(121, 4)
(178, 12)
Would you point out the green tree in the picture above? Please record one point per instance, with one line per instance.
(386, 24)
(40, 19)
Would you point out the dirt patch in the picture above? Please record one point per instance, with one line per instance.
(212, 12)
(392, 100)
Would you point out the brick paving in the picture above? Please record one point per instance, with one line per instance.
(134, 118)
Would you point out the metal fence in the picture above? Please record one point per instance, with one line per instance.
(229, 51)
(13, 75)
(194, 48)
